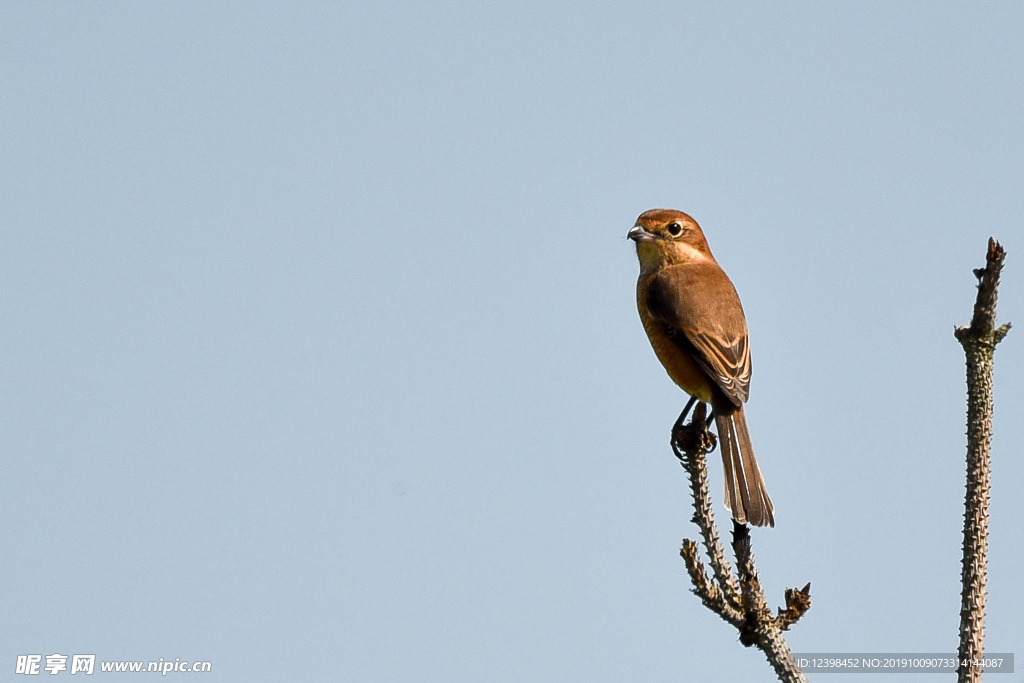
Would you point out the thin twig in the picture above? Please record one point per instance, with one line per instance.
(705, 589)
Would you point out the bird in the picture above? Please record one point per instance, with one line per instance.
(694, 320)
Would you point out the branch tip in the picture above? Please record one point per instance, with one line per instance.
(984, 318)
(798, 601)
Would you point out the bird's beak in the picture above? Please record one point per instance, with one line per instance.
(638, 234)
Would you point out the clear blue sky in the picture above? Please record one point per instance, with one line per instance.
(320, 358)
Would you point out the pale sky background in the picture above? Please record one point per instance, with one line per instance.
(320, 357)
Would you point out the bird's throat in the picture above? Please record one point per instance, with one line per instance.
(657, 254)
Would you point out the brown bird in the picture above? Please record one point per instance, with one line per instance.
(695, 322)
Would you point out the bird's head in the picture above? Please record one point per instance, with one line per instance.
(667, 236)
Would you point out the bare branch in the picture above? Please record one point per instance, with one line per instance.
(738, 599)
(979, 341)
(690, 446)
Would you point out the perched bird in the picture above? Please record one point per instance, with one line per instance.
(695, 322)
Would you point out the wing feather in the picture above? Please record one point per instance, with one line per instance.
(701, 312)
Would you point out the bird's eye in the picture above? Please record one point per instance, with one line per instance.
(674, 229)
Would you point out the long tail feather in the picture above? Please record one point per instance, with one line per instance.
(745, 493)
(730, 463)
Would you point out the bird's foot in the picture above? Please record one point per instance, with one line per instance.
(695, 435)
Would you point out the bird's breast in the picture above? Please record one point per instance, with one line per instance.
(679, 364)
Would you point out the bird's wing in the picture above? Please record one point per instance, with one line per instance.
(701, 312)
